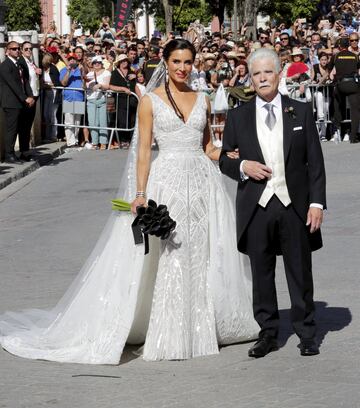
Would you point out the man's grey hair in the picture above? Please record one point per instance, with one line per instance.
(264, 53)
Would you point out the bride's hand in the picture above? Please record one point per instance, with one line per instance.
(233, 155)
(138, 202)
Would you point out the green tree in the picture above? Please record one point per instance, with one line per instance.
(184, 12)
(23, 15)
(289, 10)
(88, 13)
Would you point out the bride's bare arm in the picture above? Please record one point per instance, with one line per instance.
(145, 123)
(212, 151)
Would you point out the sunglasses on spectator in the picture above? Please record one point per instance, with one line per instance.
(28, 49)
(14, 48)
(283, 38)
(354, 40)
(263, 37)
(96, 50)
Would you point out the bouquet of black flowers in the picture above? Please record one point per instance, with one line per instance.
(151, 220)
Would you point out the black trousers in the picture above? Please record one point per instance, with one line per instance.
(11, 123)
(26, 120)
(271, 228)
(352, 90)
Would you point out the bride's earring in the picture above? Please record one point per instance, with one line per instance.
(166, 73)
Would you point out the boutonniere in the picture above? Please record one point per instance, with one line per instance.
(290, 111)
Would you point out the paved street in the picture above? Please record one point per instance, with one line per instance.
(49, 222)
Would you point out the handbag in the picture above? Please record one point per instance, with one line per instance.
(220, 101)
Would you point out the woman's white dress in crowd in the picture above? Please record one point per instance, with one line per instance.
(191, 293)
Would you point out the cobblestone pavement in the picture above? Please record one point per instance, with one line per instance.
(49, 222)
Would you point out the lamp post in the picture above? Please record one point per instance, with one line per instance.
(3, 8)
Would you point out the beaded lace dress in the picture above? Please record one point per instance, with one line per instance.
(189, 295)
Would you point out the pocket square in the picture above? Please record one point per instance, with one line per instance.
(297, 128)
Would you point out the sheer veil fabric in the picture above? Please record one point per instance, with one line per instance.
(191, 293)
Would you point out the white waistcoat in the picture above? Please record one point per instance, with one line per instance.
(271, 143)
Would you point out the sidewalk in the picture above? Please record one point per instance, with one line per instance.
(42, 155)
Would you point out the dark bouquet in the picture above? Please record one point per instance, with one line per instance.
(151, 220)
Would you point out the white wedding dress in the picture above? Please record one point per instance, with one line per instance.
(191, 293)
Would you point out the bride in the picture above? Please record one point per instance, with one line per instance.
(192, 292)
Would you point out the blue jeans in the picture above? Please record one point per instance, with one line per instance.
(97, 116)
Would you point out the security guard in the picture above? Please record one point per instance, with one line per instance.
(152, 63)
(345, 69)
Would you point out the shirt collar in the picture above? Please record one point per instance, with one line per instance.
(260, 103)
(13, 60)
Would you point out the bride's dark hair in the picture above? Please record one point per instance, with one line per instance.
(178, 44)
(171, 46)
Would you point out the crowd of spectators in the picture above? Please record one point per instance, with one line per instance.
(104, 71)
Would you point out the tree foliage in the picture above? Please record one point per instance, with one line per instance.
(23, 15)
(281, 10)
(184, 12)
(88, 13)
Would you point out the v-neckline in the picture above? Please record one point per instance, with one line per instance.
(172, 109)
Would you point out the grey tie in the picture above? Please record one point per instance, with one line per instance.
(270, 118)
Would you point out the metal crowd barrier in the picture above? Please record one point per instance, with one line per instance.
(320, 96)
(80, 108)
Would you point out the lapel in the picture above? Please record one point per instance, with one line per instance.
(252, 128)
(288, 123)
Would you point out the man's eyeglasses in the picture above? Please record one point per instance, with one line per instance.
(353, 40)
(97, 50)
(283, 38)
(28, 49)
(263, 38)
(14, 48)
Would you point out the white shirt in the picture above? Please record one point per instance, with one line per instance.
(33, 78)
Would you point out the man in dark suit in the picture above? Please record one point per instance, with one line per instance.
(280, 199)
(15, 94)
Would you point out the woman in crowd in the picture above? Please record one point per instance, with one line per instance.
(97, 82)
(320, 75)
(198, 77)
(241, 76)
(51, 98)
(298, 73)
(126, 102)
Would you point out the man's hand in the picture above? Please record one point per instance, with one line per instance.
(29, 101)
(314, 218)
(256, 170)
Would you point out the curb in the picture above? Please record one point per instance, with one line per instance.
(19, 171)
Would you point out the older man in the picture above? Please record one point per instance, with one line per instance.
(280, 199)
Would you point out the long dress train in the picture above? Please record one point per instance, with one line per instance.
(191, 293)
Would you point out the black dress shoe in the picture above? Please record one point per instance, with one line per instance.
(27, 158)
(263, 346)
(308, 347)
(12, 159)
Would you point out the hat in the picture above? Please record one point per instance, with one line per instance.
(154, 49)
(230, 44)
(296, 51)
(121, 58)
(89, 41)
(96, 59)
(71, 55)
(232, 55)
(208, 56)
(214, 45)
